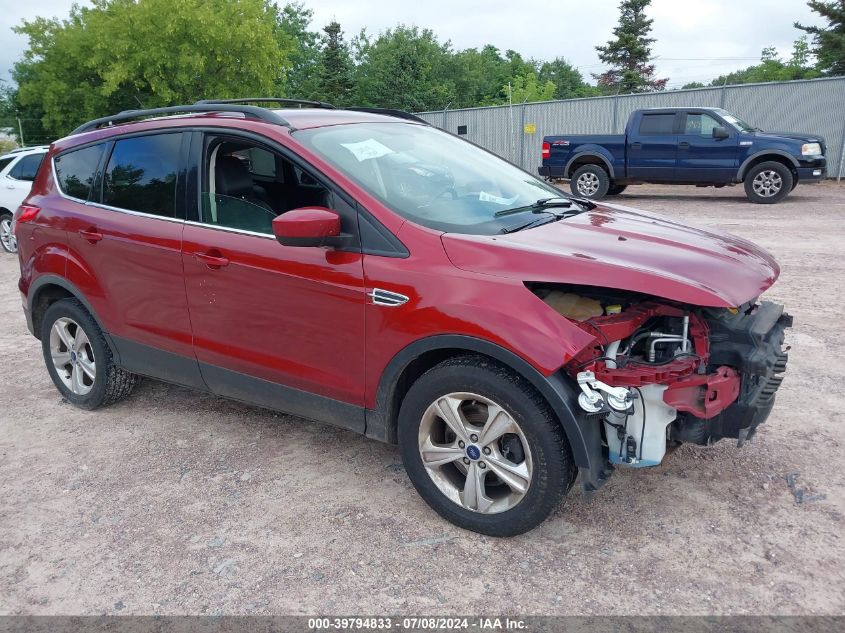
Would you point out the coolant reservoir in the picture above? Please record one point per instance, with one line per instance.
(651, 445)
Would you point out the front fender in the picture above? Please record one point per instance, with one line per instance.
(583, 435)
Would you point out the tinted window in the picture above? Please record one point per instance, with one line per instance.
(141, 174)
(76, 170)
(657, 124)
(700, 124)
(4, 162)
(27, 167)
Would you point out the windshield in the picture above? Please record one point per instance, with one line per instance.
(428, 176)
(738, 123)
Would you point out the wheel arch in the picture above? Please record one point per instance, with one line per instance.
(776, 155)
(48, 289)
(418, 357)
(588, 157)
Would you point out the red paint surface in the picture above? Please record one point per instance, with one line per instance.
(301, 316)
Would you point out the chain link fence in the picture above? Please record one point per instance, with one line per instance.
(814, 106)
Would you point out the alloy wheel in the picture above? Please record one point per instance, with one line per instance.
(475, 453)
(73, 356)
(587, 184)
(767, 183)
(8, 240)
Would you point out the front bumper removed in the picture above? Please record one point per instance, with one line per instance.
(752, 342)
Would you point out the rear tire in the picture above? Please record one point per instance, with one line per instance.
(7, 240)
(513, 465)
(768, 182)
(615, 190)
(590, 181)
(78, 358)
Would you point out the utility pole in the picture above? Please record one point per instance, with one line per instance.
(20, 131)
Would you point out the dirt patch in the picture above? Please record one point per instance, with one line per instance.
(177, 502)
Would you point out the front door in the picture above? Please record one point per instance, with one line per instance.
(274, 325)
(702, 158)
(652, 147)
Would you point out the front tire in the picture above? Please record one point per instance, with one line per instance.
(482, 447)
(7, 240)
(78, 358)
(768, 182)
(590, 181)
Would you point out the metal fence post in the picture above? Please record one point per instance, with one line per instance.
(522, 137)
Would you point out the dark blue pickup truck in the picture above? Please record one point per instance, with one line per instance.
(708, 147)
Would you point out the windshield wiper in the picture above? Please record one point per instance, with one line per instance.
(541, 205)
(553, 217)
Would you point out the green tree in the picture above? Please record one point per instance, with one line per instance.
(121, 54)
(303, 44)
(405, 68)
(569, 83)
(828, 42)
(629, 52)
(772, 68)
(527, 88)
(335, 72)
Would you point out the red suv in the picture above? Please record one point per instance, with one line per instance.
(365, 269)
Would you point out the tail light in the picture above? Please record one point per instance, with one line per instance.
(26, 213)
(547, 150)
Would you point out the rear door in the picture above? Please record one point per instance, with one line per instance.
(125, 248)
(702, 158)
(652, 147)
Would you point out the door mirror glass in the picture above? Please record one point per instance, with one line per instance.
(720, 132)
(309, 226)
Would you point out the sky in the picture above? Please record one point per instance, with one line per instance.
(697, 40)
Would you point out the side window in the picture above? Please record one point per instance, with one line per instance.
(141, 174)
(76, 170)
(657, 124)
(246, 186)
(700, 124)
(4, 162)
(27, 167)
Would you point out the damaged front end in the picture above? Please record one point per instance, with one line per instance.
(660, 373)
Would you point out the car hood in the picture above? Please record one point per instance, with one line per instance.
(617, 247)
(795, 136)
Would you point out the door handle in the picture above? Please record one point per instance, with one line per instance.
(10, 186)
(91, 235)
(212, 260)
(636, 145)
(683, 144)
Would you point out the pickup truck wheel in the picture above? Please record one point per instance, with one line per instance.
(615, 190)
(482, 447)
(590, 181)
(768, 182)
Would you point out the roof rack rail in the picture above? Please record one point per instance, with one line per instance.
(299, 102)
(262, 114)
(399, 114)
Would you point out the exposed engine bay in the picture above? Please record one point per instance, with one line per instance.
(661, 373)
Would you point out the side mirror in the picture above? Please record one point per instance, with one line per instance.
(309, 226)
(720, 132)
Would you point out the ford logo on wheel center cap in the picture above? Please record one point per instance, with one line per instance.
(473, 452)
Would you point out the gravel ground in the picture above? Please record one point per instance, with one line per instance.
(176, 502)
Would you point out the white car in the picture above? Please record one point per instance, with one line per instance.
(17, 171)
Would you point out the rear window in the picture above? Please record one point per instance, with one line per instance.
(655, 124)
(4, 162)
(27, 167)
(141, 174)
(76, 170)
